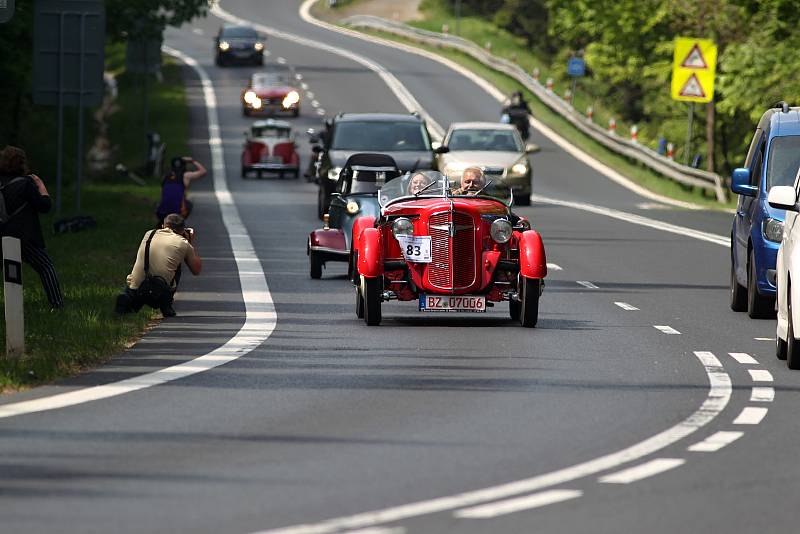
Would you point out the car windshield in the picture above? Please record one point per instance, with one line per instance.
(783, 161)
(380, 136)
(484, 139)
(428, 184)
(270, 79)
(271, 131)
(239, 32)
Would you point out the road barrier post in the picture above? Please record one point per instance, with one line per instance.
(612, 126)
(12, 285)
(549, 84)
(670, 151)
(634, 134)
(589, 113)
(535, 73)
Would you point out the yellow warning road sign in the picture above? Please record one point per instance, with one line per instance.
(693, 68)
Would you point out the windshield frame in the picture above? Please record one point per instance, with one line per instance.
(443, 191)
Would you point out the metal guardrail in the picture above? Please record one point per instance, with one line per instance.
(650, 158)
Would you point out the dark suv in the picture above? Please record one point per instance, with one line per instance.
(403, 137)
(239, 44)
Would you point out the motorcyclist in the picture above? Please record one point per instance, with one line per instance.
(518, 111)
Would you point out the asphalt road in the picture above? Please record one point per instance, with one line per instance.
(329, 419)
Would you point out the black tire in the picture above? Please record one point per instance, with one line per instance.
(296, 174)
(529, 301)
(758, 306)
(792, 345)
(514, 309)
(260, 60)
(280, 175)
(320, 203)
(780, 348)
(522, 199)
(352, 268)
(738, 293)
(371, 290)
(315, 265)
(244, 171)
(359, 303)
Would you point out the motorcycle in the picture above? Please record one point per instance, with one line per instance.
(519, 118)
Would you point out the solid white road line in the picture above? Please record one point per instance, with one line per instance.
(719, 395)
(260, 316)
(750, 416)
(403, 95)
(587, 284)
(716, 441)
(627, 307)
(637, 219)
(645, 470)
(665, 329)
(555, 267)
(760, 375)
(518, 504)
(378, 530)
(743, 358)
(764, 338)
(762, 394)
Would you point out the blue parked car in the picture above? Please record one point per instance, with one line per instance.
(773, 159)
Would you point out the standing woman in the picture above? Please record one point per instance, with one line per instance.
(174, 187)
(25, 197)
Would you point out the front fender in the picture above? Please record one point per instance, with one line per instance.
(532, 260)
(328, 239)
(370, 253)
(359, 225)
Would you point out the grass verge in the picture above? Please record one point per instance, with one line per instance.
(92, 264)
(635, 172)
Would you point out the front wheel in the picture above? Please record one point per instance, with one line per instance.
(371, 291)
(529, 301)
(792, 345)
(359, 303)
(315, 265)
(514, 309)
(758, 306)
(522, 199)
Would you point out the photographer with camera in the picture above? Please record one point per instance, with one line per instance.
(157, 271)
(175, 185)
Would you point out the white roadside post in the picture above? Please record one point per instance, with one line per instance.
(12, 286)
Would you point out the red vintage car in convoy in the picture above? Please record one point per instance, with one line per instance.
(271, 92)
(270, 147)
(452, 249)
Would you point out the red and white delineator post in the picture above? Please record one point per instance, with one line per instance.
(12, 285)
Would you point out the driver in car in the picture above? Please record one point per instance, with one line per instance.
(472, 181)
(417, 183)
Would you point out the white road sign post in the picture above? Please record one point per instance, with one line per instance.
(12, 285)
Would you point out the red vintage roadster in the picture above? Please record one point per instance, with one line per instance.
(453, 249)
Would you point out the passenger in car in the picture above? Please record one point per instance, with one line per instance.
(417, 183)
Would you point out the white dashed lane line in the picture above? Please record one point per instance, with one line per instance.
(760, 375)
(764, 338)
(299, 77)
(750, 415)
(517, 504)
(304, 86)
(762, 394)
(716, 441)
(320, 111)
(315, 103)
(743, 358)
(627, 307)
(310, 94)
(587, 284)
(554, 267)
(281, 60)
(665, 329)
(645, 470)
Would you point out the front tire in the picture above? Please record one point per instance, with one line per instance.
(315, 265)
(514, 309)
(758, 306)
(529, 302)
(738, 294)
(359, 303)
(792, 345)
(522, 199)
(371, 291)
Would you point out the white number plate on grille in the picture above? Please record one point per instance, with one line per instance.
(415, 248)
(452, 303)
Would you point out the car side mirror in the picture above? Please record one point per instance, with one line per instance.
(783, 197)
(740, 183)
(441, 150)
(532, 148)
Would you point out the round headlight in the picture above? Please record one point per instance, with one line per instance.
(402, 226)
(519, 169)
(352, 207)
(256, 103)
(224, 45)
(258, 47)
(250, 96)
(291, 99)
(501, 230)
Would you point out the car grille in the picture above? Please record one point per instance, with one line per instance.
(269, 100)
(453, 259)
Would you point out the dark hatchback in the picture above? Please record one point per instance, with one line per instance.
(404, 137)
(239, 44)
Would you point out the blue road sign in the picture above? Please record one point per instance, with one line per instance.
(576, 67)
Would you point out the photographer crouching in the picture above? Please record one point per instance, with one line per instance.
(157, 271)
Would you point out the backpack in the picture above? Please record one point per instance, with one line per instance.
(154, 290)
(5, 216)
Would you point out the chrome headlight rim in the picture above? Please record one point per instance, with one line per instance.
(772, 229)
(402, 226)
(333, 173)
(501, 231)
(352, 207)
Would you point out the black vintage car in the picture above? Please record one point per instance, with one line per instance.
(239, 44)
(403, 137)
